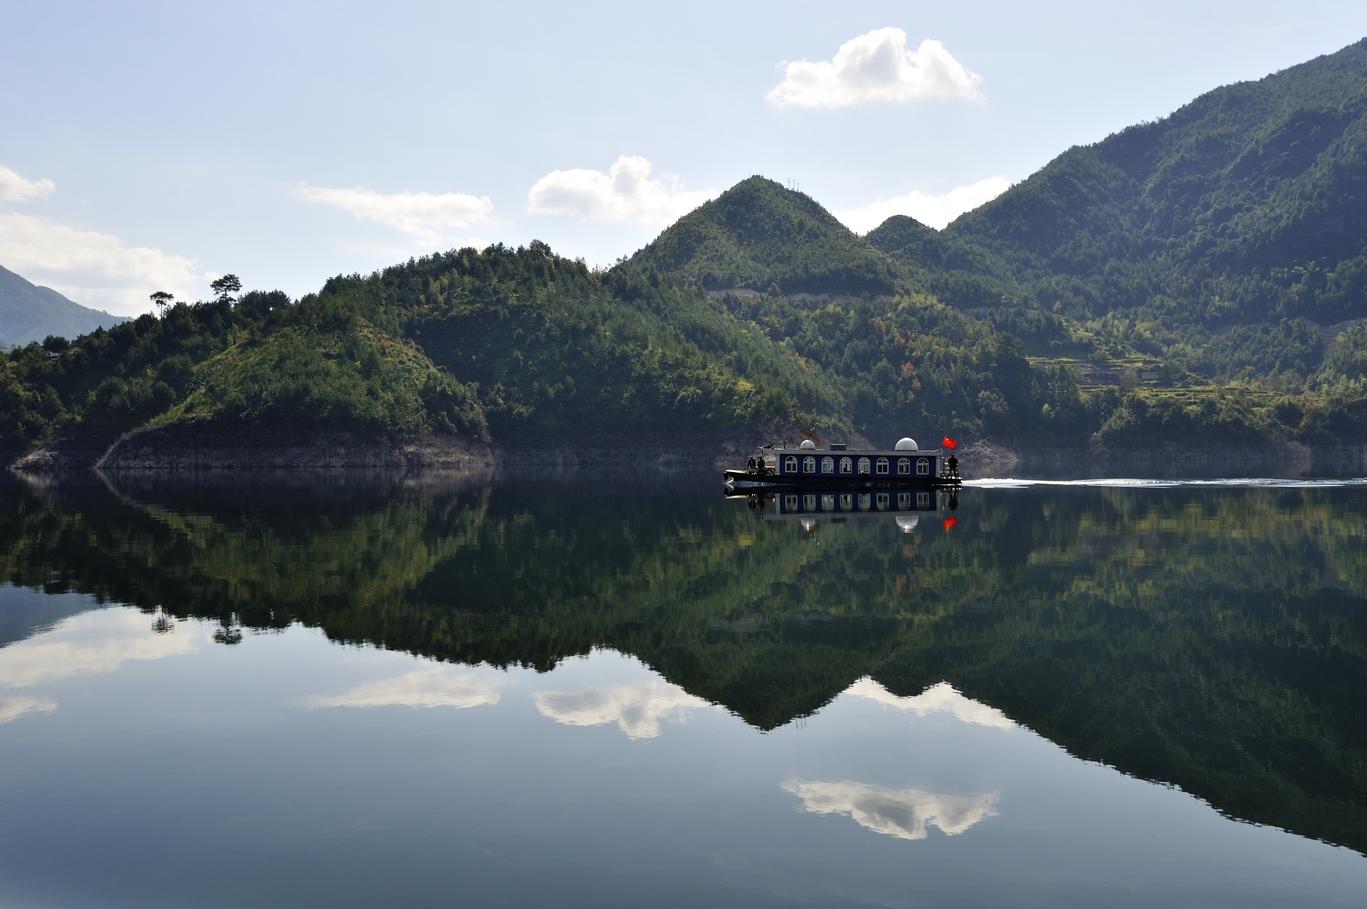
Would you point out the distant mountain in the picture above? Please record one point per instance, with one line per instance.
(31, 313)
(899, 232)
(932, 252)
(1246, 206)
(758, 235)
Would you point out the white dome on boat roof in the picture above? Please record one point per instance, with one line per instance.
(807, 445)
(906, 443)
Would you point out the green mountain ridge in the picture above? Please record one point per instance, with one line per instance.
(1199, 282)
(29, 312)
(1217, 184)
(1214, 237)
(758, 235)
(518, 342)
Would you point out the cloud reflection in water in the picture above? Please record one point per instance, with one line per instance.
(901, 813)
(14, 708)
(939, 698)
(432, 686)
(637, 709)
(97, 641)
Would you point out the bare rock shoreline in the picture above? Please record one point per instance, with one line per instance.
(217, 448)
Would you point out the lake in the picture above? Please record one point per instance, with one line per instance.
(342, 691)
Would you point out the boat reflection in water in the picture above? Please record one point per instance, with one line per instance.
(838, 506)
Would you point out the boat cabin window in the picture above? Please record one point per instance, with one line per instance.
(904, 466)
(846, 465)
(828, 464)
(790, 464)
(882, 466)
(863, 465)
(809, 464)
(922, 467)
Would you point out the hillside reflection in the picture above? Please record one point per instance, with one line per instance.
(1214, 639)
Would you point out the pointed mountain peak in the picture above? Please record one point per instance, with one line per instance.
(758, 235)
(899, 232)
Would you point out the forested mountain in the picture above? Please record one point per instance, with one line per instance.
(553, 347)
(777, 260)
(29, 312)
(760, 236)
(1224, 237)
(520, 343)
(525, 348)
(1199, 281)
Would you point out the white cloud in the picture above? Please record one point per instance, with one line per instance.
(626, 193)
(436, 686)
(94, 269)
(901, 813)
(932, 209)
(98, 641)
(16, 188)
(939, 698)
(13, 708)
(637, 709)
(876, 66)
(429, 217)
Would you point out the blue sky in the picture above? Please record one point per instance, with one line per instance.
(156, 145)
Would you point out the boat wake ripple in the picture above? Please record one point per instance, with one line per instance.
(1138, 483)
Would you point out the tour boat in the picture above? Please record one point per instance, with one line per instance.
(837, 466)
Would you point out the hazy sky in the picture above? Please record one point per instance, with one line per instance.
(149, 146)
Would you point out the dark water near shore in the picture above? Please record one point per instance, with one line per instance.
(336, 691)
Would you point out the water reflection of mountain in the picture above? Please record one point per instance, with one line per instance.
(1216, 640)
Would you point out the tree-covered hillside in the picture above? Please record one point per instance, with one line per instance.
(554, 347)
(522, 346)
(517, 342)
(1258, 180)
(781, 262)
(1199, 281)
(1218, 237)
(760, 236)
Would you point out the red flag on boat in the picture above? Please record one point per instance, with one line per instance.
(947, 442)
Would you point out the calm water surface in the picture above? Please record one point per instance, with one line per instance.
(344, 692)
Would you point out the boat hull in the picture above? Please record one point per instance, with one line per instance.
(747, 480)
